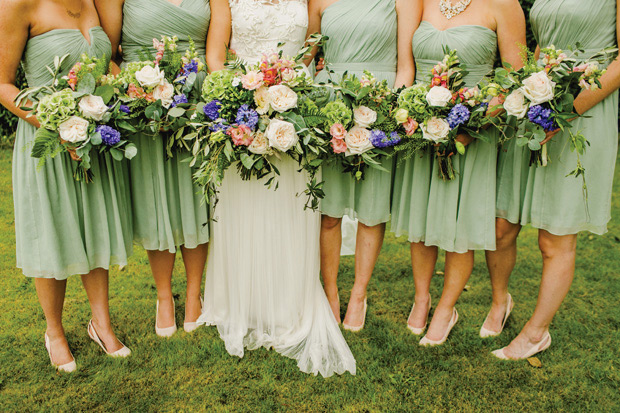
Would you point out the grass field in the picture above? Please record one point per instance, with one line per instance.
(581, 371)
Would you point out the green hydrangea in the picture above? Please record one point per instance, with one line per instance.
(337, 112)
(413, 99)
(55, 108)
(128, 74)
(218, 85)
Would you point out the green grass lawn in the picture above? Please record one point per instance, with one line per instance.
(581, 371)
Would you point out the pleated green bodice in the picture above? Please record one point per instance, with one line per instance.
(363, 35)
(476, 47)
(145, 20)
(60, 42)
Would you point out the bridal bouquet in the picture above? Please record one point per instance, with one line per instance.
(542, 96)
(160, 90)
(431, 115)
(359, 123)
(76, 115)
(250, 115)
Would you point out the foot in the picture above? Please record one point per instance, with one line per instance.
(418, 318)
(356, 315)
(528, 340)
(440, 323)
(165, 313)
(494, 322)
(59, 351)
(193, 309)
(107, 336)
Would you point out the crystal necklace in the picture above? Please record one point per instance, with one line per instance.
(448, 10)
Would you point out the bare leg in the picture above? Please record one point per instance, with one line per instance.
(558, 254)
(51, 295)
(458, 271)
(423, 260)
(96, 286)
(331, 242)
(194, 260)
(501, 262)
(367, 249)
(162, 264)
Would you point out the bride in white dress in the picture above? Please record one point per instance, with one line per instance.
(263, 287)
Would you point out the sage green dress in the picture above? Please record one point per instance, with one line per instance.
(168, 207)
(64, 227)
(362, 36)
(544, 196)
(456, 215)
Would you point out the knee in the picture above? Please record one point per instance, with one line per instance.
(506, 233)
(552, 246)
(329, 223)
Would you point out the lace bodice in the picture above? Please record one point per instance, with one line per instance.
(259, 25)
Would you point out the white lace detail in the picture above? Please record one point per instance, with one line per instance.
(259, 25)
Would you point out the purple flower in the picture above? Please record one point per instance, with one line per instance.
(542, 116)
(178, 99)
(212, 109)
(459, 115)
(109, 135)
(125, 109)
(191, 67)
(219, 126)
(379, 139)
(247, 117)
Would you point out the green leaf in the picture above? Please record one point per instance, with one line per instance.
(247, 160)
(130, 151)
(176, 112)
(106, 92)
(95, 139)
(45, 141)
(460, 148)
(87, 84)
(534, 145)
(117, 154)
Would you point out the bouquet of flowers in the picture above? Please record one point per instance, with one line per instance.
(160, 90)
(76, 115)
(359, 123)
(251, 114)
(541, 99)
(433, 114)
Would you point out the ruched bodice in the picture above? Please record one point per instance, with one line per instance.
(145, 20)
(476, 47)
(564, 22)
(369, 25)
(41, 50)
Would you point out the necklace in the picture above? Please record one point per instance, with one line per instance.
(73, 15)
(448, 10)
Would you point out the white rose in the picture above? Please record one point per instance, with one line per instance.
(516, 105)
(150, 76)
(435, 129)
(262, 99)
(364, 117)
(165, 93)
(92, 107)
(281, 135)
(74, 129)
(259, 145)
(438, 96)
(538, 88)
(282, 98)
(358, 141)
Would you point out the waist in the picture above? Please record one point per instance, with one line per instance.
(132, 52)
(475, 73)
(372, 67)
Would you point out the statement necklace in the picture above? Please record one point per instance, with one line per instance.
(448, 10)
(78, 14)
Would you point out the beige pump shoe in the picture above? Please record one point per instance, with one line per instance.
(428, 342)
(92, 333)
(166, 331)
(541, 346)
(355, 329)
(419, 330)
(484, 333)
(69, 367)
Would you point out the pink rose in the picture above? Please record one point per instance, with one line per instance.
(410, 126)
(252, 80)
(241, 135)
(337, 131)
(338, 145)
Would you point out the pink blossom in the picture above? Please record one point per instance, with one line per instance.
(337, 131)
(241, 135)
(410, 126)
(252, 80)
(338, 145)
(581, 68)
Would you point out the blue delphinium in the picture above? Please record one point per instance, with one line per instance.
(109, 135)
(379, 139)
(219, 126)
(459, 115)
(125, 109)
(247, 117)
(542, 116)
(178, 99)
(212, 109)
(191, 67)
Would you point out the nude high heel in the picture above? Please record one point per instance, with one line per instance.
(69, 367)
(166, 331)
(484, 333)
(428, 342)
(193, 325)
(415, 330)
(355, 329)
(92, 333)
(541, 346)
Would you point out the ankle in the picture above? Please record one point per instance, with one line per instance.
(535, 333)
(164, 298)
(422, 298)
(55, 333)
(500, 299)
(358, 292)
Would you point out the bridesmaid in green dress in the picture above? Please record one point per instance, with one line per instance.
(167, 207)
(62, 227)
(373, 35)
(457, 216)
(543, 196)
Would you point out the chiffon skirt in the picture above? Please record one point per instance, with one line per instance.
(262, 284)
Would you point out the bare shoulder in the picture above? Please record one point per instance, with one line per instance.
(505, 7)
(23, 7)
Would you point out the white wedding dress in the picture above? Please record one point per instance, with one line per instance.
(262, 285)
